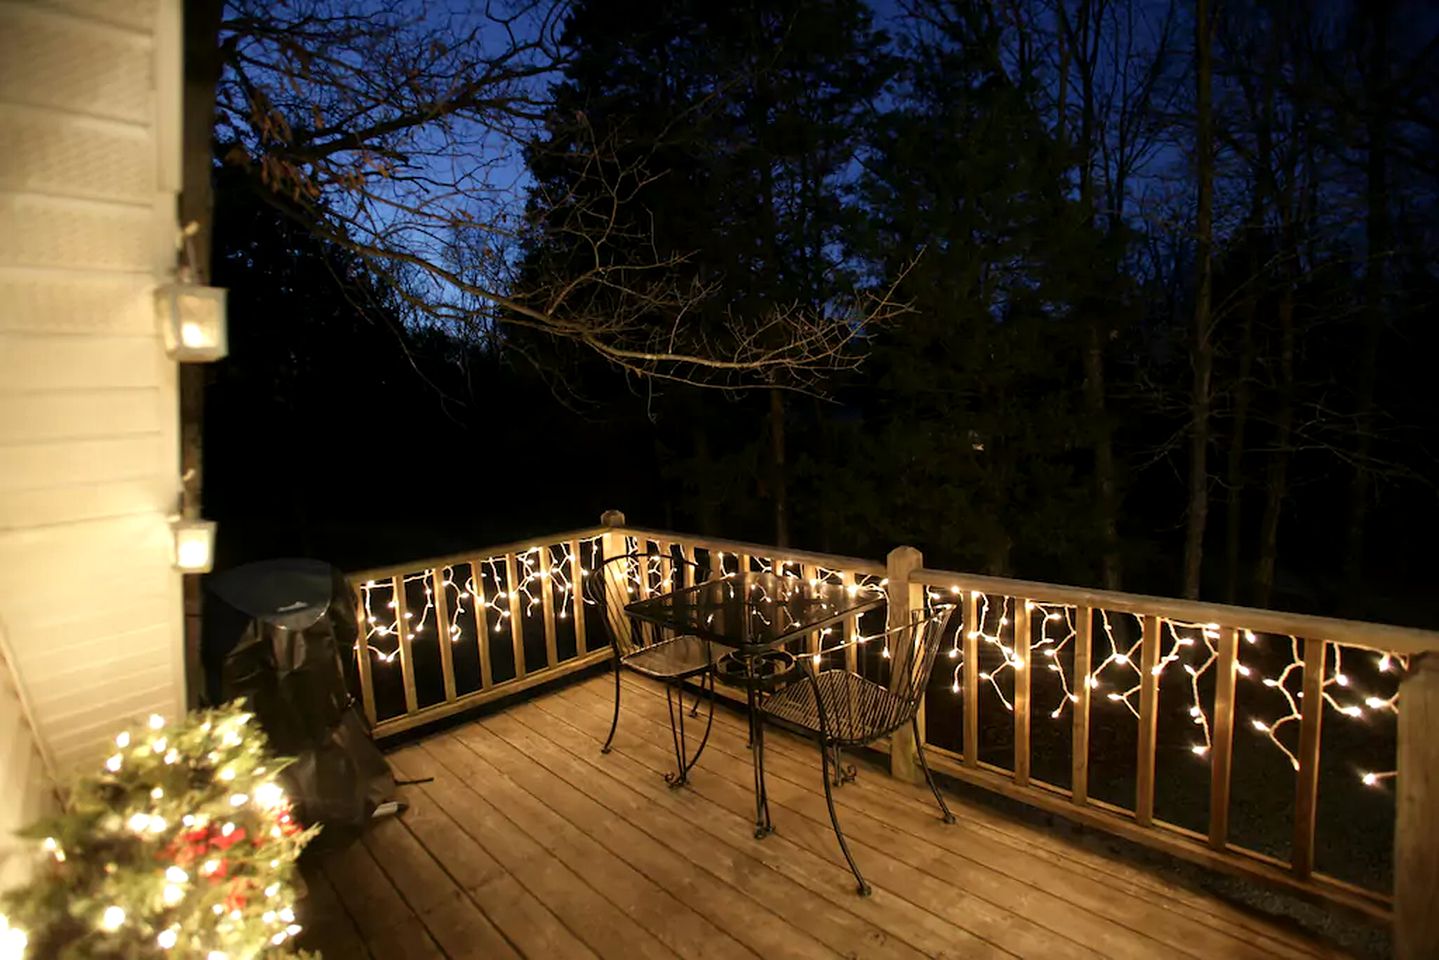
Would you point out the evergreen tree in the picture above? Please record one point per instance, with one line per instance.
(976, 425)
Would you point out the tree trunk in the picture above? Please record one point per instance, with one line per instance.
(1096, 334)
(705, 508)
(1234, 472)
(778, 487)
(1203, 349)
(1376, 82)
(1111, 570)
(1277, 479)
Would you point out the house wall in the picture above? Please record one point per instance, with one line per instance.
(89, 173)
(24, 789)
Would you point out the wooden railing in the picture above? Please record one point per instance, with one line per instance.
(448, 634)
(1165, 722)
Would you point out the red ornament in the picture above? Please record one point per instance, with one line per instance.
(225, 842)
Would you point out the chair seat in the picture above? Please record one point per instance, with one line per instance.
(856, 710)
(676, 657)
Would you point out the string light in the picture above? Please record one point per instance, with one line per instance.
(1116, 674)
(1192, 646)
(12, 940)
(384, 630)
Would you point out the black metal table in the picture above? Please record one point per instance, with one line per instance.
(755, 615)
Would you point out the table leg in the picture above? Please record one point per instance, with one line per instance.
(763, 826)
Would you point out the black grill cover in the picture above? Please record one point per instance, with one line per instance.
(279, 633)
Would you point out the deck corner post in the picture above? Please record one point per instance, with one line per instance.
(906, 599)
(612, 541)
(1416, 832)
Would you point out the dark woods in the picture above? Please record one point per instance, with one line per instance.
(1132, 294)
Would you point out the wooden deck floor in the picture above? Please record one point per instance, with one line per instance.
(531, 843)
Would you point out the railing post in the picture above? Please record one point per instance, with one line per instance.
(614, 539)
(1416, 832)
(1022, 672)
(1306, 779)
(1148, 719)
(905, 598)
(1079, 732)
(1221, 752)
(973, 628)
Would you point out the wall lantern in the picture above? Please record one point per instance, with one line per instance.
(192, 319)
(194, 545)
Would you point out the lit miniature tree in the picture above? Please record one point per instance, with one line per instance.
(183, 846)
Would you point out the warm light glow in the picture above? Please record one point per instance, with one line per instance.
(194, 546)
(12, 940)
(193, 321)
(112, 918)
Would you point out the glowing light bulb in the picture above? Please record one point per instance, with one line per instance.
(122, 739)
(112, 919)
(167, 938)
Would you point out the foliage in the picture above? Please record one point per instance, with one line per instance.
(183, 845)
(974, 398)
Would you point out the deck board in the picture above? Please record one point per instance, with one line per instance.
(530, 843)
(1077, 901)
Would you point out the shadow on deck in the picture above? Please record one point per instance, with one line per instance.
(531, 843)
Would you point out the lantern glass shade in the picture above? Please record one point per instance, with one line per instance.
(194, 545)
(192, 319)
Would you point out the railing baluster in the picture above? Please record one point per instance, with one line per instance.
(362, 655)
(687, 569)
(577, 596)
(402, 631)
(1148, 720)
(547, 605)
(517, 630)
(482, 624)
(807, 573)
(1306, 783)
(851, 655)
(1079, 731)
(442, 631)
(1221, 751)
(972, 629)
(1022, 671)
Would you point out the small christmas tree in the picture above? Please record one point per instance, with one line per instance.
(183, 846)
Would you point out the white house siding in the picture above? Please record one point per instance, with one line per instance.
(25, 793)
(89, 172)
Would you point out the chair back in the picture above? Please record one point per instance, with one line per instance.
(913, 648)
(626, 578)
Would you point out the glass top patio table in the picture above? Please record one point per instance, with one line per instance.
(754, 611)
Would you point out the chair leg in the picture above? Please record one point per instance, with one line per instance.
(763, 825)
(843, 774)
(864, 888)
(616, 721)
(929, 777)
(709, 722)
(673, 692)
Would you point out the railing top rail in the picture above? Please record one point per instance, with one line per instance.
(465, 556)
(1375, 636)
(829, 561)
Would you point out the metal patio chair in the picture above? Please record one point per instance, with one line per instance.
(840, 709)
(651, 650)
